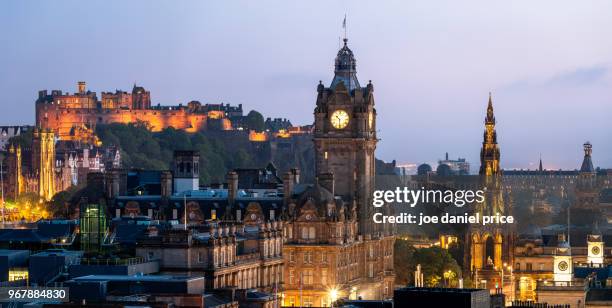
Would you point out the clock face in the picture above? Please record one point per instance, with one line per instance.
(562, 266)
(339, 119)
(370, 120)
(595, 250)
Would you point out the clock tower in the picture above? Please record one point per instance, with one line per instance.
(563, 266)
(595, 246)
(345, 137)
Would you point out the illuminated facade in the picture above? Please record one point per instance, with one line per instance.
(490, 247)
(43, 161)
(332, 248)
(67, 114)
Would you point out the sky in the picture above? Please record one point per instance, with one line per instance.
(433, 63)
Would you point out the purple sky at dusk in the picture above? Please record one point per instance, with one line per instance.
(433, 63)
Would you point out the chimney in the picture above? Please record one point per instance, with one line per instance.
(327, 181)
(232, 186)
(290, 178)
(81, 87)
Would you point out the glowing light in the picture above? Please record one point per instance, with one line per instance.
(333, 294)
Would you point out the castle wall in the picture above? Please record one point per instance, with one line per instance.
(61, 120)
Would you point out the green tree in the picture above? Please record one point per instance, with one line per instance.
(436, 263)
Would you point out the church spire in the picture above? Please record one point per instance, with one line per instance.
(540, 167)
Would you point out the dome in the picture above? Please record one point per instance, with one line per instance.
(424, 169)
(345, 69)
(444, 170)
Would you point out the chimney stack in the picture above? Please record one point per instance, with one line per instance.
(290, 178)
(232, 186)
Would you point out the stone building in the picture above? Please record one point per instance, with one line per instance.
(243, 256)
(333, 249)
(63, 112)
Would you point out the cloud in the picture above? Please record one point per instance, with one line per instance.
(585, 76)
(579, 77)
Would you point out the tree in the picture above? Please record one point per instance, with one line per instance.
(436, 263)
(255, 121)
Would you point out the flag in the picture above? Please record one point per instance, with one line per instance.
(344, 22)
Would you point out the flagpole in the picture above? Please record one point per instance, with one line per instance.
(185, 210)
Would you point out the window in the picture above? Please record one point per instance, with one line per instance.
(518, 266)
(291, 276)
(151, 255)
(323, 257)
(308, 277)
(200, 257)
(292, 256)
(291, 301)
(308, 301)
(370, 270)
(324, 276)
(528, 267)
(308, 257)
(213, 214)
(308, 233)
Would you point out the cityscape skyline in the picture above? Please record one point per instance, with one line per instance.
(549, 100)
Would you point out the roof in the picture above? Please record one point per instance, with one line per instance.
(160, 278)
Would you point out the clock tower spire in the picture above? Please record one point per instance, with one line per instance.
(345, 136)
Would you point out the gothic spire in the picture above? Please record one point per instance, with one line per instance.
(490, 119)
(540, 167)
(489, 154)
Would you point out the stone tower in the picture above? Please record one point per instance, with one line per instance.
(490, 247)
(587, 191)
(345, 136)
(186, 171)
(43, 161)
(16, 183)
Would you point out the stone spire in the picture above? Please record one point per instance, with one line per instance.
(540, 168)
(489, 154)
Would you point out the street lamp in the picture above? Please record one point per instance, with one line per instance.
(447, 275)
(333, 295)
